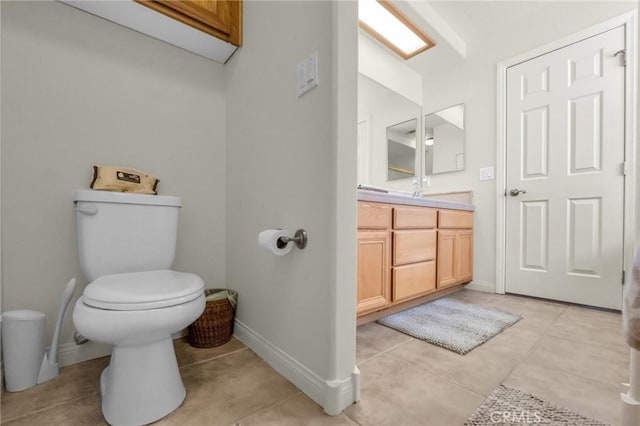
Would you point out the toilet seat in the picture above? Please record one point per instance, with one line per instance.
(143, 290)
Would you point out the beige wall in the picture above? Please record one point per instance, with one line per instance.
(285, 155)
(279, 144)
(472, 81)
(76, 91)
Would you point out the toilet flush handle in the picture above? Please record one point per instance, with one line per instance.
(88, 210)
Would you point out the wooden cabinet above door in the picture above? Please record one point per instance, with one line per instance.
(221, 19)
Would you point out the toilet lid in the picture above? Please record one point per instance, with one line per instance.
(143, 290)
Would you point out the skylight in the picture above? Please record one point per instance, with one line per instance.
(387, 24)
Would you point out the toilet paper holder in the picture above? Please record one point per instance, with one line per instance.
(299, 238)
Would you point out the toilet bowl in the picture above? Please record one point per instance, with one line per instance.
(137, 313)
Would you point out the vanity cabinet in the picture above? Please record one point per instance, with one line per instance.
(219, 18)
(455, 248)
(407, 254)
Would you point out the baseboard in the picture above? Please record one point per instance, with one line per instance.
(482, 286)
(333, 395)
(70, 353)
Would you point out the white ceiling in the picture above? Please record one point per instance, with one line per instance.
(477, 20)
(473, 20)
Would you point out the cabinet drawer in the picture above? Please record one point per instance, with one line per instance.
(413, 280)
(413, 246)
(414, 217)
(375, 216)
(455, 219)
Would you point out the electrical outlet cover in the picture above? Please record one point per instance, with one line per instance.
(307, 74)
(486, 173)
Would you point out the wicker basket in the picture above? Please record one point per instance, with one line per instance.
(215, 325)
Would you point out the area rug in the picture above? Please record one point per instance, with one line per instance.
(454, 325)
(508, 406)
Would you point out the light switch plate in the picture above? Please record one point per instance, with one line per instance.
(307, 74)
(487, 173)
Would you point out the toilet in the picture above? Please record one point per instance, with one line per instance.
(126, 245)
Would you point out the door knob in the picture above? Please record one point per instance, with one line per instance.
(515, 192)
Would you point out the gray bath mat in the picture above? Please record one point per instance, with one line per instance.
(508, 406)
(453, 325)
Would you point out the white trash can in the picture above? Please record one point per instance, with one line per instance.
(22, 348)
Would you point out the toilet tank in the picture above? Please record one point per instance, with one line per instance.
(123, 232)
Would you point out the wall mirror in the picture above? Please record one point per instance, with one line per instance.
(388, 131)
(401, 150)
(444, 140)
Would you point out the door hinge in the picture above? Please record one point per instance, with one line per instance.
(623, 276)
(625, 168)
(623, 53)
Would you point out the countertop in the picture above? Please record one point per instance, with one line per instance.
(393, 198)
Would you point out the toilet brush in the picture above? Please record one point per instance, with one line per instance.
(50, 368)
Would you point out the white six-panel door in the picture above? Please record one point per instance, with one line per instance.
(565, 150)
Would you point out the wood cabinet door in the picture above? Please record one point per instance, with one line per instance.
(219, 18)
(446, 258)
(374, 270)
(464, 260)
(455, 257)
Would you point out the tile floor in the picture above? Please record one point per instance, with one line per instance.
(567, 355)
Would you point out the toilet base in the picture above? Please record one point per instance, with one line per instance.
(142, 384)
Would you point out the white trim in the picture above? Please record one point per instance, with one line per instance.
(1, 280)
(501, 175)
(70, 353)
(481, 286)
(630, 134)
(333, 395)
(343, 388)
(628, 20)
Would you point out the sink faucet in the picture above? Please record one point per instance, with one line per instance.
(417, 191)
